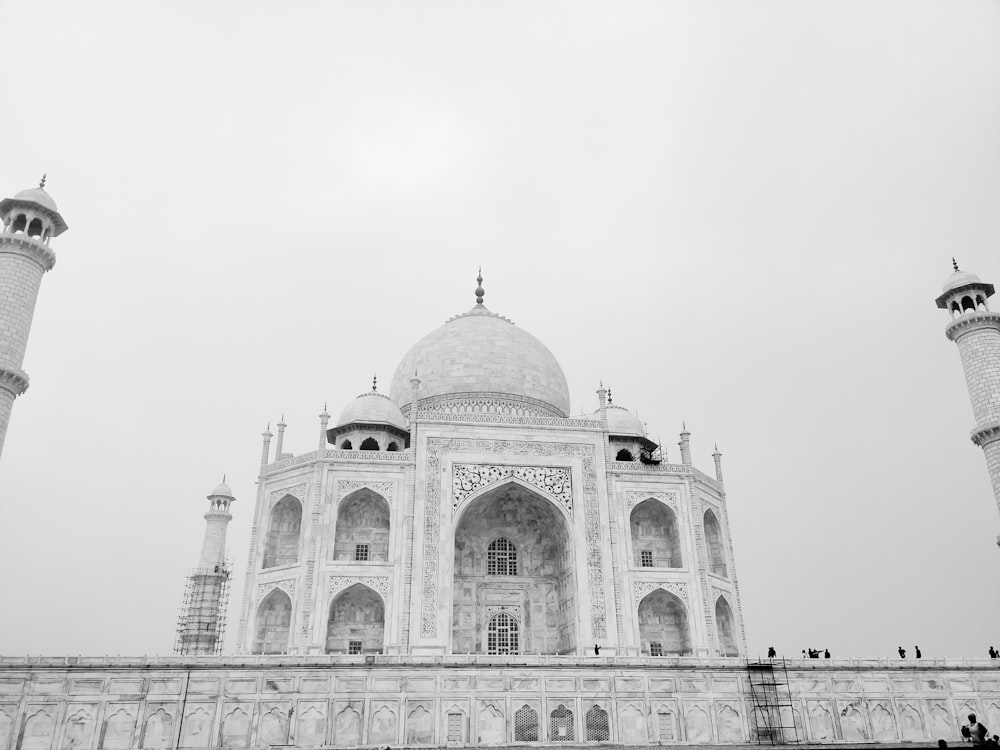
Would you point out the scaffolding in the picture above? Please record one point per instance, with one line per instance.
(773, 717)
(201, 624)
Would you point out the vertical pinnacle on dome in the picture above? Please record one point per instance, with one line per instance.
(41, 183)
(954, 264)
(610, 399)
(223, 478)
(375, 383)
(480, 292)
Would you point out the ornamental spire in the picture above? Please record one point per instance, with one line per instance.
(41, 183)
(954, 264)
(375, 383)
(480, 292)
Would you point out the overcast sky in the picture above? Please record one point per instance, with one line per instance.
(735, 214)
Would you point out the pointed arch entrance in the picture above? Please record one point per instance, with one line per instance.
(357, 622)
(513, 557)
(663, 624)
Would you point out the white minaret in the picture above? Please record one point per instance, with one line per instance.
(202, 621)
(976, 331)
(30, 220)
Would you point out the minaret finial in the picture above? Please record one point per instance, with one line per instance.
(375, 383)
(480, 292)
(223, 478)
(954, 264)
(684, 425)
(41, 183)
(610, 399)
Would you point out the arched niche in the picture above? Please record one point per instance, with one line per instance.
(283, 529)
(713, 542)
(274, 620)
(663, 624)
(362, 532)
(624, 455)
(369, 444)
(356, 624)
(539, 593)
(725, 625)
(656, 541)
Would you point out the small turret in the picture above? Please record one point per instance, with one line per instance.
(685, 445)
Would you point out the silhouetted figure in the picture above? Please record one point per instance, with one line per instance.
(771, 653)
(902, 652)
(916, 652)
(942, 743)
(814, 653)
(976, 731)
(993, 653)
(803, 653)
(826, 653)
(597, 650)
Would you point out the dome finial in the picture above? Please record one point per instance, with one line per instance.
(223, 478)
(375, 383)
(41, 183)
(480, 292)
(610, 399)
(954, 264)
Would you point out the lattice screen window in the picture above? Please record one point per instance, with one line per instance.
(561, 724)
(501, 635)
(525, 724)
(361, 552)
(597, 725)
(354, 647)
(455, 728)
(655, 648)
(501, 558)
(665, 723)
(646, 558)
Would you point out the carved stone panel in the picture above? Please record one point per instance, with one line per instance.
(554, 481)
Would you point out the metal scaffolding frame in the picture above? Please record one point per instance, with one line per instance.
(201, 624)
(772, 717)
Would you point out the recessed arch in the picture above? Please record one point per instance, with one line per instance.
(624, 455)
(725, 626)
(501, 558)
(714, 545)
(543, 579)
(283, 530)
(392, 446)
(369, 444)
(35, 227)
(967, 303)
(656, 541)
(274, 621)
(346, 445)
(20, 223)
(362, 531)
(502, 634)
(356, 623)
(663, 624)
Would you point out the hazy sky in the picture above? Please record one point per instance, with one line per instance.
(736, 214)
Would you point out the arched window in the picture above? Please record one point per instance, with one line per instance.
(393, 446)
(597, 725)
(656, 540)
(624, 455)
(713, 540)
(561, 724)
(726, 628)
(968, 304)
(35, 228)
(362, 531)
(357, 622)
(369, 444)
(274, 618)
(526, 724)
(501, 635)
(663, 624)
(346, 445)
(501, 558)
(955, 308)
(282, 547)
(20, 222)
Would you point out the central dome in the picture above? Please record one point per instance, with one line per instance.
(481, 355)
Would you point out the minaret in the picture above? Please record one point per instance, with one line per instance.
(202, 622)
(976, 331)
(30, 220)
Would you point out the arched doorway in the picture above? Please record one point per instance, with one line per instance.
(713, 540)
(362, 533)
(357, 622)
(282, 546)
(274, 619)
(663, 624)
(725, 624)
(513, 556)
(656, 542)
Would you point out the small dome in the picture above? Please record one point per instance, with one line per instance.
(623, 422)
(372, 408)
(222, 490)
(961, 278)
(483, 353)
(39, 196)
